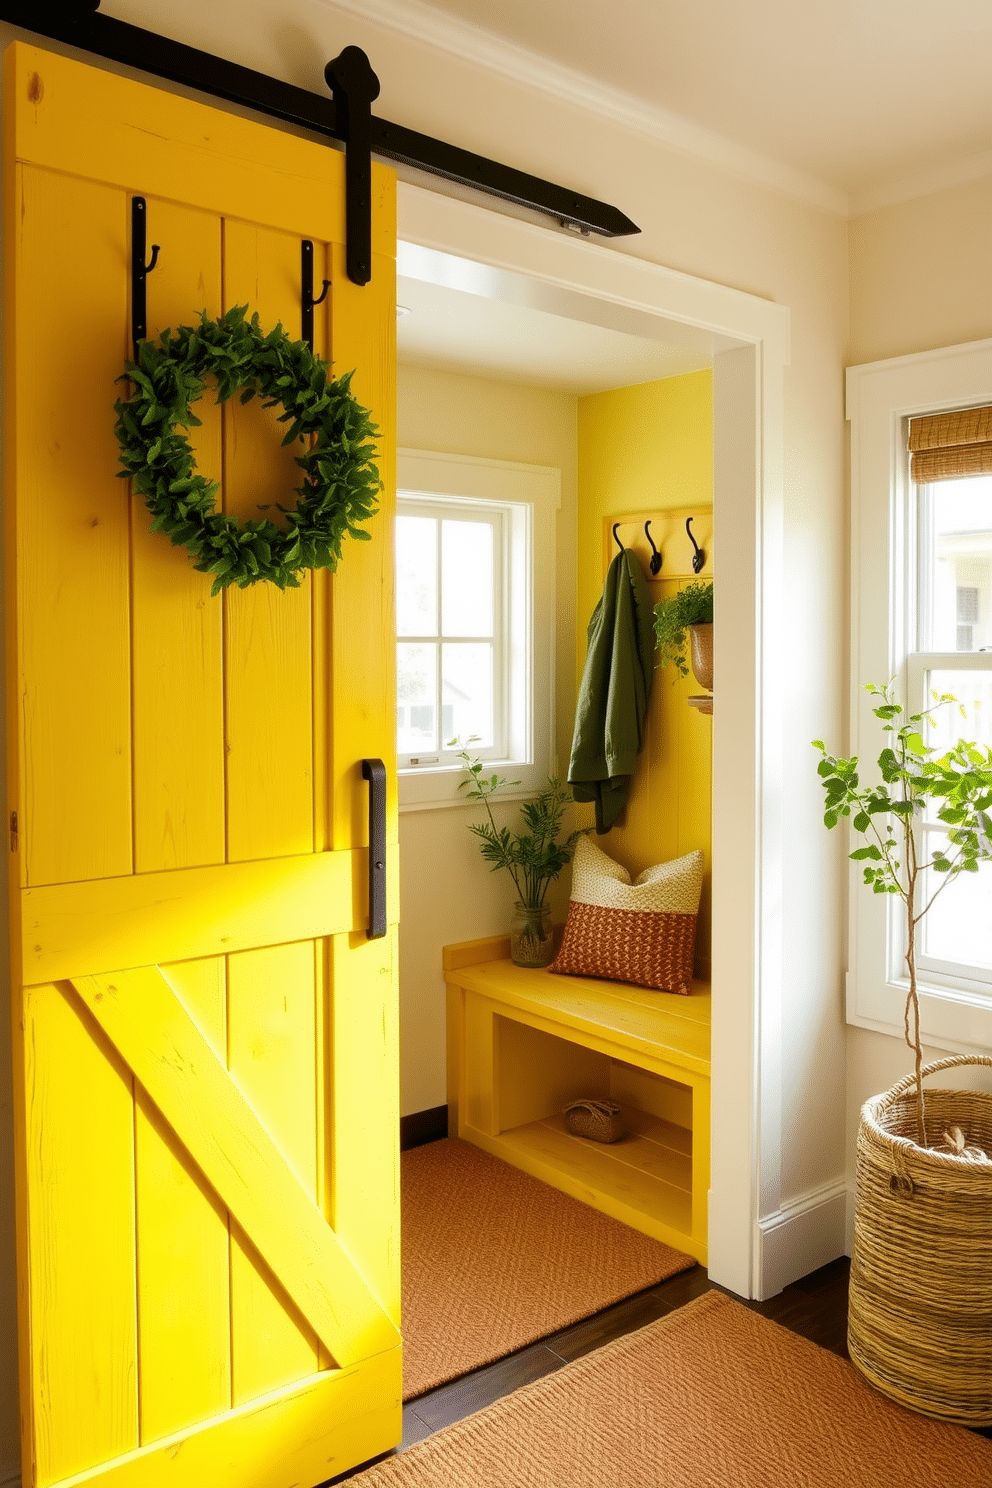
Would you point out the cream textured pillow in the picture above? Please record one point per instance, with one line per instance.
(642, 932)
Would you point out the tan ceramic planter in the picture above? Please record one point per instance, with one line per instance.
(701, 654)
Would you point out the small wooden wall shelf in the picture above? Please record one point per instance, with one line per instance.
(522, 1044)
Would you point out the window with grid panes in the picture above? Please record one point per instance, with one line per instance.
(475, 627)
(921, 483)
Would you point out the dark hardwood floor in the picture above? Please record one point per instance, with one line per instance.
(816, 1307)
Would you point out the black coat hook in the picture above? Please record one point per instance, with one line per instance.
(140, 270)
(307, 301)
(699, 556)
(616, 539)
(655, 560)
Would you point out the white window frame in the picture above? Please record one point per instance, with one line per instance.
(510, 527)
(881, 399)
(530, 496)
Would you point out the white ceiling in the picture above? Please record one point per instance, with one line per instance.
(484, 337)
(855, 94)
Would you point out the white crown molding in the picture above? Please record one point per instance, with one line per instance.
(956, 172)
(470, 43)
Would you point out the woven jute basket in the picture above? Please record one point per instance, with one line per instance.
(599, 1120)
(920, 1312)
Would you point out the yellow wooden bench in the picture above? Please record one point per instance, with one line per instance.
(522, 1044)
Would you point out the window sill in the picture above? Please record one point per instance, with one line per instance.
(433, 790)
(958, 1021)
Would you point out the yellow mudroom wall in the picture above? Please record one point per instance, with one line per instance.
(649, 449)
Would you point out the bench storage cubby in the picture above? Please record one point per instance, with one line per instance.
(523, 1043)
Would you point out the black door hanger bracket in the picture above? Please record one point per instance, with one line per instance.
(347, 118)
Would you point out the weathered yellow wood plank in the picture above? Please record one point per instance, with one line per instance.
(72, 532)
(268, 633)
(184, 1315)
(75, 929)
(80, 1216)
(323, 1114)
(14, 329)
(365, 1114)
(92, 124)
(271, 1043)
(177, 640)
(363, 621)
(142, 1017)
(317, 1427)
(320, 604)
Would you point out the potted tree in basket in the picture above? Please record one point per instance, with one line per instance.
(533, 858)
(920, 1313)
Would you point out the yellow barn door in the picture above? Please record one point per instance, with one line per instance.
(205, 1062)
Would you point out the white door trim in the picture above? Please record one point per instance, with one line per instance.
(449, 241)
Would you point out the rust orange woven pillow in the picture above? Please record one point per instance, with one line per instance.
(642, 932)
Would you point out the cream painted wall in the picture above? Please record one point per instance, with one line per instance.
(921, 273)
(448, 893)
(921, 277)
(706, 222)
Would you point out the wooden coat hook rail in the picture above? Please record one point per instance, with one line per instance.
(676, 544)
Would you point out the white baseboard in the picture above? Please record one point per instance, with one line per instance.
(849, 1221)
(802, 1235)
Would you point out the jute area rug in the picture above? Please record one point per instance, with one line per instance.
(711, 1396)
(494, 1259)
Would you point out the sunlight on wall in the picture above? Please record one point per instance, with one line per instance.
(649, 449)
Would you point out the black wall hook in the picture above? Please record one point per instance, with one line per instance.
(307, 301)
(654, 563)
(698, 556)
(616, 539)
(354, 87)
(140, 270)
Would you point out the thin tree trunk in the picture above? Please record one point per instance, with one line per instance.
(913, 1000)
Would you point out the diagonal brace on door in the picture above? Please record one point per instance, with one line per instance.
(156, 1037)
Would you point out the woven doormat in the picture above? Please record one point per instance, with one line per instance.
(712, 1396)
(493, 1259)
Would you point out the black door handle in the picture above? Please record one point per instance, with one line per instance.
(374, 771)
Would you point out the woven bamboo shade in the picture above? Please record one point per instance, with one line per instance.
(949, 446)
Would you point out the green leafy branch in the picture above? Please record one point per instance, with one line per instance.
(691, 605)
(533, 858)
(912, 773)
(340, 478)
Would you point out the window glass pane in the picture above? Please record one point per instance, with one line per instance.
(416, 576)
(958, 927)
(467, 693)
(416, 698)
(956, 548)
(466, 578)
(973, 690)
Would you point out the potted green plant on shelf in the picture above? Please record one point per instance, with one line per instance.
(921, 1284)
(686, 619)
(533, 858)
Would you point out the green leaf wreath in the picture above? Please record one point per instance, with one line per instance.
(340, 477)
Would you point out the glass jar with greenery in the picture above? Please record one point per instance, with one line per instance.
(533, 858)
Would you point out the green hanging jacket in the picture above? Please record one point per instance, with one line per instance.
(613, 696)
